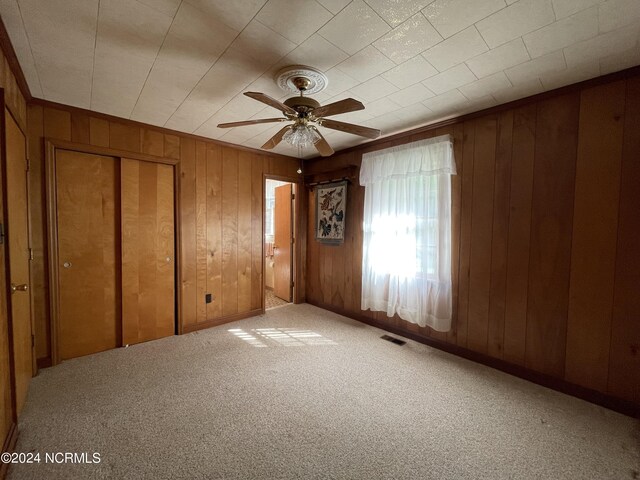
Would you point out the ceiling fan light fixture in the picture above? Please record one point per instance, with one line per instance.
(301, 136)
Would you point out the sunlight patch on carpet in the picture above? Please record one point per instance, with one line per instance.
(287, 337)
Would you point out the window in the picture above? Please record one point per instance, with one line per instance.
(406, 264)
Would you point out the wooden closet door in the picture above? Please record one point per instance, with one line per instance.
(88, 253)
(18, 239)
(148, 293)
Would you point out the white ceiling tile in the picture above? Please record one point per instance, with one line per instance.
(449, 79)
(161, 96)
(12, 20)
(284, 148)
(366, 64)
(192, 79)
(485, 86)
(228, 77)
(334, 6)
(355, 27)
(224, 115)
(476, 105)
(168, 7)
(129, 37)
(570, 75)
(61, 36)
(522, 90)
(321, 97)
(240, 108)
(187, 53)
(381, 107)
(500, 58)
(564, 8)
(239, 135)
(387, 123)
(454, 50)
(65, 83)
(117, 82)
(552, 62)
(408, 39)
(375, 89)
(410, 95)
(581, 26)
(452, 16)
(410, 72)
(236, 14)
(352, 117)
(266, 84)
(397, 11)
(451, 100)
(318, 53)
(413, 115)
(618, 13)
(339, 82)
(516, 20)
(620, 61)
(602, 46)
(295, 24)
(262, 44)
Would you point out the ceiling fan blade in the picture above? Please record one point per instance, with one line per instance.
(322, 146)
(343, 106)
(251, 122)
(272, 102)
(351, 128)
(276, 139)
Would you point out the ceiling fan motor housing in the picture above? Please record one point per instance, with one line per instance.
(302, 105)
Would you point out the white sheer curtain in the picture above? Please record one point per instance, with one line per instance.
(406, 258)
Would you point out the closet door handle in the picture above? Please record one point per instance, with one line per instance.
(67, 264)
(19, 288)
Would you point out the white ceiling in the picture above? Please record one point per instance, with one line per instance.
(183, 64)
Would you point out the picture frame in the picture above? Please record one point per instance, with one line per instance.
(331, 212)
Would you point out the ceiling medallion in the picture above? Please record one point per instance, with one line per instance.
(292, 77)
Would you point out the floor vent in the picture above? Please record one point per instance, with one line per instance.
(397, 341)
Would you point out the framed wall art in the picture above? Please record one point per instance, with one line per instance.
(331, 209)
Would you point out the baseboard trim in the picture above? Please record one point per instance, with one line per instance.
(613, 403)
(8, 446)
(220, 321)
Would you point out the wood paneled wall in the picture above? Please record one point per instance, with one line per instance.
(219, 219)
(546, 238)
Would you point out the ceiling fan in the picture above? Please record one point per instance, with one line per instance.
(306, 113)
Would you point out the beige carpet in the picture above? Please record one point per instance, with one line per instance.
(301, 393)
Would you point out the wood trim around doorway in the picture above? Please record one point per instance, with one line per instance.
(299, 236)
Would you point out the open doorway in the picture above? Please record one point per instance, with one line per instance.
(278, 243)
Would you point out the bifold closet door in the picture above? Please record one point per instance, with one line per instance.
(148, 260)
(88, 253)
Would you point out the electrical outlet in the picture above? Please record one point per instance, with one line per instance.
(208, 298)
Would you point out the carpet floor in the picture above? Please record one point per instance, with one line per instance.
(301, 393)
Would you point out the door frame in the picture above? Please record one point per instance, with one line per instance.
(8, 443)
(299, 232)
(50, 147)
